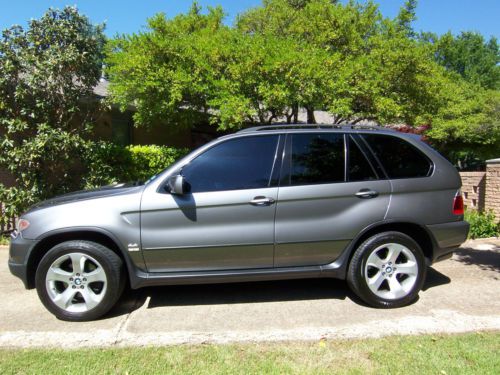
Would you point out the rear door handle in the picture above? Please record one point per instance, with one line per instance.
(262, 201)
(366, 194)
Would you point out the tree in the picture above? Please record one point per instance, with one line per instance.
(159, 72)
(46, 73)
(469, 55)
(407, 15)
(469, 122)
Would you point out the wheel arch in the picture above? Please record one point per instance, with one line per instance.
(416, 231)
(51, 239)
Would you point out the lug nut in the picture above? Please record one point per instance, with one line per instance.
(81, 287)
(383, 273)
(70, 279)
(84, 279)
(74, 287)
(77, 274)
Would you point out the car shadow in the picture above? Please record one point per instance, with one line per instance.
(488, 260)
(250, 292)
(435, 278)
(233, 293)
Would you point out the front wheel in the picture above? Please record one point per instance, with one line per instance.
(387, 270)
(79, 280)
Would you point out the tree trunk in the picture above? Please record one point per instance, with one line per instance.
(295, 111)
(310, 115)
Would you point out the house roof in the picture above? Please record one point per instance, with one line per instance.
(101, 89)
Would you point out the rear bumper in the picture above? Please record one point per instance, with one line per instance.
(447, 237)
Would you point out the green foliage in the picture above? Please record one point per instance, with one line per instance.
(147, 161)
(157, 70)
(470, 56)
(482, 225)
(469, 122)
(315, 54)
(45, 73)
(407, 15)
(110, 163)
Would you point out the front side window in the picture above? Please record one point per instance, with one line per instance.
(316, 158)
(242, 163)
(399, 158)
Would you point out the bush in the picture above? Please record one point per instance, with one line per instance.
(146, 161)
(109, 163)
(482, 224)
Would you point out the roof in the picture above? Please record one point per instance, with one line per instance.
(101, 89)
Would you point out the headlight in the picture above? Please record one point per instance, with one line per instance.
(22, 224)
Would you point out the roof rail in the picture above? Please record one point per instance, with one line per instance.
(313, 126)
(367, 127)
(290, 126)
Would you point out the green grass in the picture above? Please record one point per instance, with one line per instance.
(476, 353)
(4, 241)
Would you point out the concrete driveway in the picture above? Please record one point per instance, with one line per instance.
(461, 294)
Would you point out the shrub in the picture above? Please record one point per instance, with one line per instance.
(482, 224)
(146, 161)
(109, 163)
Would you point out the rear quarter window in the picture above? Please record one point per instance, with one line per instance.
(399, 158)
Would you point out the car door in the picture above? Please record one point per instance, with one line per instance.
(330, 190)
(226, 220)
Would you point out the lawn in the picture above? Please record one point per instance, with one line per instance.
(433, 354)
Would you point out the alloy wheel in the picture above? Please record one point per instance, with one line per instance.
(391, 271)
(76, 282)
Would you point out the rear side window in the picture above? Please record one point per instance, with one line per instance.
(242, 163)
(359, 167)
(399, 158)
(316, 158)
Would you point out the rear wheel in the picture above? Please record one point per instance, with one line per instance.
(387, 270)
(79, 280)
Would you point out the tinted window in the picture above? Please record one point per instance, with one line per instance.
(317, 159)
(399, 158)
(359, 167)
(243, 163)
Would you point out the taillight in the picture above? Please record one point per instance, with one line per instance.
(458, 205)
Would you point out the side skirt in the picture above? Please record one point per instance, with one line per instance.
(144, 279)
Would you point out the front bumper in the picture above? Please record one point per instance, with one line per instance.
(447, 237)
(19, 251)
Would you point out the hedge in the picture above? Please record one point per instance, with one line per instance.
(109, 163)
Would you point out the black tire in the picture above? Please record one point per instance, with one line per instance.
(108, 260)
(356, 272)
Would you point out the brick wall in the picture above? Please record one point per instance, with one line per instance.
(473, 189)
(492, 193)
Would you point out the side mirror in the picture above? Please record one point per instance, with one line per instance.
(175, 185)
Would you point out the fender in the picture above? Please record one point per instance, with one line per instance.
(133, 261)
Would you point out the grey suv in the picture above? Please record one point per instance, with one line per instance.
(371, 206)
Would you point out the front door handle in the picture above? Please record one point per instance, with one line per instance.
(366, 194)
(262, 201)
